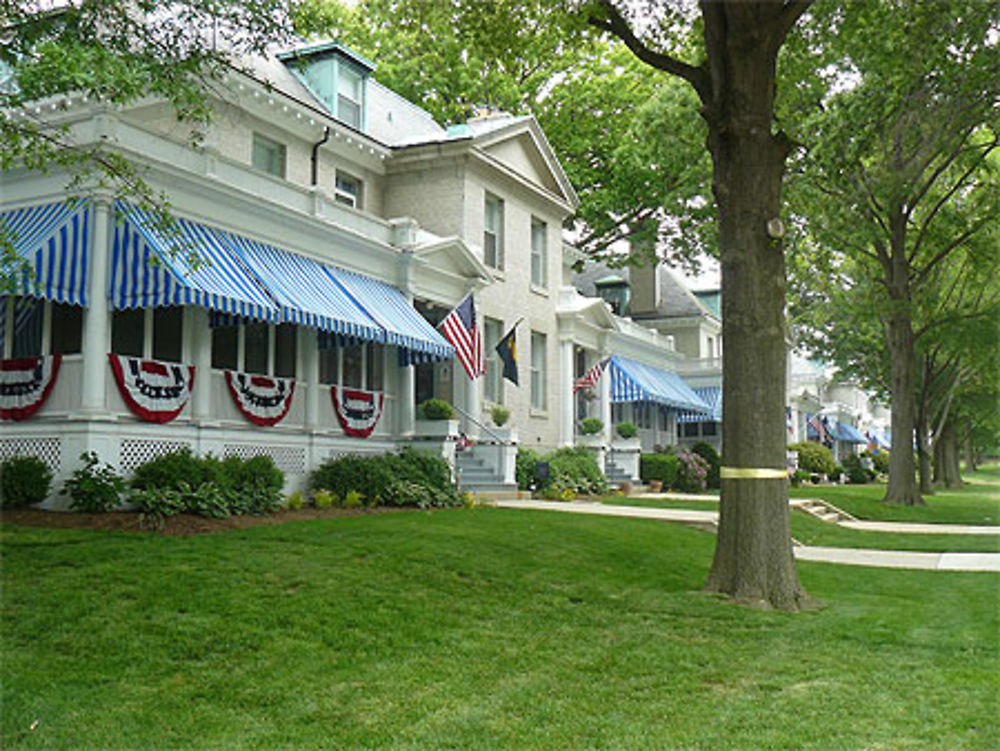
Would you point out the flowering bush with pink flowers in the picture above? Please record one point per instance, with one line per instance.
(692, 472)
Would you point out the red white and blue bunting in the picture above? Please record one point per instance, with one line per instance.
(25, 384)
(358, 411)
(263, 400)
(155, 391)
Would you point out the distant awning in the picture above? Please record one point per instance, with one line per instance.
(712, 396)
(633, 381)
(54, 238)
(844, 431)
(306, 293)
(151, 267)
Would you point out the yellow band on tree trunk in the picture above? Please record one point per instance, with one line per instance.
(749, 473)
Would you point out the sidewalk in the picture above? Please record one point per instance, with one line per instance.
(848, 556)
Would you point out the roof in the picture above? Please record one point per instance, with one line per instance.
(676, 300)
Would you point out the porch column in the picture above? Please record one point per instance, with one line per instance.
(604, 383)
(472, 401)
(201, 358)
(406, 407)
(96, 321)
(566, 411)
(308, 346)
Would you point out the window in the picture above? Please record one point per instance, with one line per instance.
(689, 430)
(349, 93)
(67, 329)
(539, 253)
(664, 418)
(151, 333)
(25, 322)
(355, 366)
(493, 232)
(711, 347)
(538, 396)
(268, 156)
(643, 415)
(494, 368)
(255, 347)
(708, 428)
(347, 190)
(29, 325)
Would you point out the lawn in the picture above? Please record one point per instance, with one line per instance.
(486, 629)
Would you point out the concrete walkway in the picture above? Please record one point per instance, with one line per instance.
(849, 556)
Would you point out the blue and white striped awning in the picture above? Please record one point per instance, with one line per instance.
(307, 294)
(847, 433)
(712, 396)
(633, 381)
(151, 267)
(404, 326)
(54, 238)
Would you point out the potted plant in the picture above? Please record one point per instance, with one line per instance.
(499, 414)
(626, 430)
(437, 419)
(591, 426)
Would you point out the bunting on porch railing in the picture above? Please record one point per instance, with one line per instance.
(358, 411)
(155, 391)
(263, 400)
(25, 384)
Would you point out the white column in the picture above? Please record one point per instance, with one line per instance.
(308, 346)
(566, 411)
(201, 358)
(96, 321)
(406, 408)
(605, 391)
(472, 400)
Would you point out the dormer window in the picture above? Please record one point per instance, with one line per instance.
(336, 76)
(615, 291)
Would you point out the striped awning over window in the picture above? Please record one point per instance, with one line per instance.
(54, 239)
(712, 396)
(633, 381)
(844, 431)
(307, 294)
(404, 326)
(152, 267)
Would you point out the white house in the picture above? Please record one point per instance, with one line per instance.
(323, 229)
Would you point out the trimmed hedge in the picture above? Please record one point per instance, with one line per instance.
(407, 478)
(707, 452)
(814, 457)
(571, 471)
(661, 467)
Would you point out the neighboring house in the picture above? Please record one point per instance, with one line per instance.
(335, 224)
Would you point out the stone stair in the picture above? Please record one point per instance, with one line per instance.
(476, 476)
(822, 510)
(615, 475)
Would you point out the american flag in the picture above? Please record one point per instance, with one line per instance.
(820, 427)
(459, 328)
(590, 378)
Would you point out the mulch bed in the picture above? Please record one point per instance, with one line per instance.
(182, 525)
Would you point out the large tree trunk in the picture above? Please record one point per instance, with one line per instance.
(753, 560)
(947, 467)
(923, 455)
(970, 452)
(902, 487)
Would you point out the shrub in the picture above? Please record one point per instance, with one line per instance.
(856, 474)
(576, 468)
(526, 468)
(834, 476)
(591, 425)
(353, 499)
(92, 488)
(295, 501)
(627, 430)
(692, 473)
(386, 478)
(500, 414)
(707, 452)
(324, 499)
(207, 499)
(24, 480)
(659, 467)
(800, 477)
(156, 504)
(437, 409)
(170, 470)
(881, 461)
(814, 457)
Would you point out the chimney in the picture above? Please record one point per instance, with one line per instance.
(645, 284)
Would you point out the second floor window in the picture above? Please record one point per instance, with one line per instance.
(268, 156)
(493, 232)
(539, 253)
(347, 190)
(494, 369)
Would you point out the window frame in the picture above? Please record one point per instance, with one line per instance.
(148, 334)
(493, 226)
(493, 384)
(345, 197)
(345, 70)
(272, 348)
(539, 370)
(281, 150)
(539, 255)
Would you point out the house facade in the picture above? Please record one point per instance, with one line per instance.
(321, 229)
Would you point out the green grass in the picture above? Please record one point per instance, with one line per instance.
(809, 530)
(491, 629)
(977, 503)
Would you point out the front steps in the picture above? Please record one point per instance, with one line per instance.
(475, 476)
(615, 475)
(822, 510)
